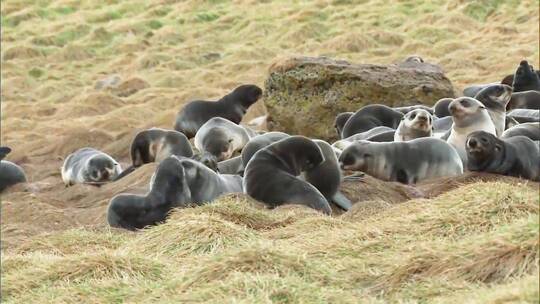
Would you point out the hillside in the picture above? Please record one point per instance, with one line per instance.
(476, 242)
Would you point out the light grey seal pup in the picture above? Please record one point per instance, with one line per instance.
(369, 117)
(177, 182)
(524, 115)
(415, 124)
(232, 106)
(271, 175)
(89, 166)
(407, 162)
(367, 135)
(529, 129)
(468, 115)
(10, 173)
(495, 98)
(517, 156)
(220, 138)
(231, 166)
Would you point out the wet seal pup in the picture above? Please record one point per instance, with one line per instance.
(89, 166)
(220, 138)
(369, 117)
(407, 162)
(415, 124)
(232, 106)
(515, 156)
(495, 98)
(440, 109)
(529, 129)
(468, 115)
(10, 173)
(327, 177)
(525, 78)
(340, 121)
(176, 183)
(154, 145)
(524, 100)
(271, 176)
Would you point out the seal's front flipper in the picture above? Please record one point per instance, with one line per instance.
(341, 201)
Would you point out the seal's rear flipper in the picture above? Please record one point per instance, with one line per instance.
(4, 151)
(124, 173)
(341, 201)
(356, 176)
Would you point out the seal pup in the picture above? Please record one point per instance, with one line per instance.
(441, 107)
(524, 115)
(524, 100)
(375, 133)
(495, 98)
(529, 129)
(327, 177)
(271, 176)
(441, 125)
(89, 166)
(340, 121)
(407, 109)
(468, 115)
(514, 156)
(407, 162)
(415, 124)
(232, 106)
(231, 166)
(369, 117)
(525, 78)
(221, 138)
(177, 182)
(10, 173)
(471, 91)
(258, 142)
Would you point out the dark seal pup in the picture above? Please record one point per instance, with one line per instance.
(154, 145)
(525, 78)
(10, 173)
(440, 109)
(176, 183)
(524, 100)
(271, 176)
(515, 156)
(340, 121)
(369, 117)
(232, 106)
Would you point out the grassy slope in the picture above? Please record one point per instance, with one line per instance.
(54, 51)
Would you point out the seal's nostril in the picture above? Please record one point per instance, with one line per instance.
(472, 143)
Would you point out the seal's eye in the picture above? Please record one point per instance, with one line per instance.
(484, 140)
(367, 155)
(413, 116)
(465, 103)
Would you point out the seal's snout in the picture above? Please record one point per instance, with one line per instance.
(472, 143)
(422, 118)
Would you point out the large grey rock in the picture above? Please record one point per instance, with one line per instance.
(303, 95)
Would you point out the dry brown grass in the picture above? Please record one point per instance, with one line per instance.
(467, 239)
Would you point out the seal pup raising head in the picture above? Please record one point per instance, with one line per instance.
(415, 124)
